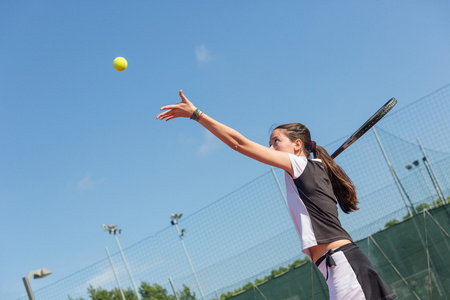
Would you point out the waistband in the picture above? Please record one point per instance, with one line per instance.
(327, 255)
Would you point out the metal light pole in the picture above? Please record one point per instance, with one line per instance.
(36, 275)
(115, 275)
(112, 229)
(173, 289)
(416, 164)
(174, 221)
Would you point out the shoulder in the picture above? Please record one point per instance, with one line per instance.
(317, 163)
(298, 164)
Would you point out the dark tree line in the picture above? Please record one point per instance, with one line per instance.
(146, 290)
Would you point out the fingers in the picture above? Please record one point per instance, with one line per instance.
(182, 95)
(168, 115)
(182, 109)
(173, 106)
(183, 98)
(167, 118)
(160, 116)
(169, 112)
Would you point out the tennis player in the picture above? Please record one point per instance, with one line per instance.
(314, 187)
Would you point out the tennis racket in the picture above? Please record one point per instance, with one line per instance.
(366, 126)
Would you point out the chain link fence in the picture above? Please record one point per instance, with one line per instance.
(247, 234)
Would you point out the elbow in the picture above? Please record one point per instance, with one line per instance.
(237, 142)
(235, 146)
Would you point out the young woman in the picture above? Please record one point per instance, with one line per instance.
(313, 186)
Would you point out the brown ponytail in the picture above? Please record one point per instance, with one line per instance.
(343, 188)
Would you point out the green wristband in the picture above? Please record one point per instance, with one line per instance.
(194, 114)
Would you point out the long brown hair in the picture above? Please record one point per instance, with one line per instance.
(343, 188)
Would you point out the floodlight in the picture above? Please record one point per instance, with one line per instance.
(175, 216)
(39, 273)
(36, 275)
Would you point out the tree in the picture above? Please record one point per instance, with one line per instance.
(154, 292)
(102, 294)
(390, 223)
(146, 290)
(186, 294)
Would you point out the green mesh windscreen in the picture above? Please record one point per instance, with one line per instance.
(411, 256)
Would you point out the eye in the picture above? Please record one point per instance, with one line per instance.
(275, 141)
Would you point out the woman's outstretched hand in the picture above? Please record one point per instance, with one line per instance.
(184, 109)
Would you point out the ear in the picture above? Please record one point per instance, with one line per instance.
(298, 145)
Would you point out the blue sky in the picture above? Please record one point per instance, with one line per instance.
(80, 143)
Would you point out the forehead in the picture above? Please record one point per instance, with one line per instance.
(277, 132)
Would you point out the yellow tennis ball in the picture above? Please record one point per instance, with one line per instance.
(120, 64)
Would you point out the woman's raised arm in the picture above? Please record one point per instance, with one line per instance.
(232, 138)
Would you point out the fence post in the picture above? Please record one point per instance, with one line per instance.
(397, 181)
(433, 177)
